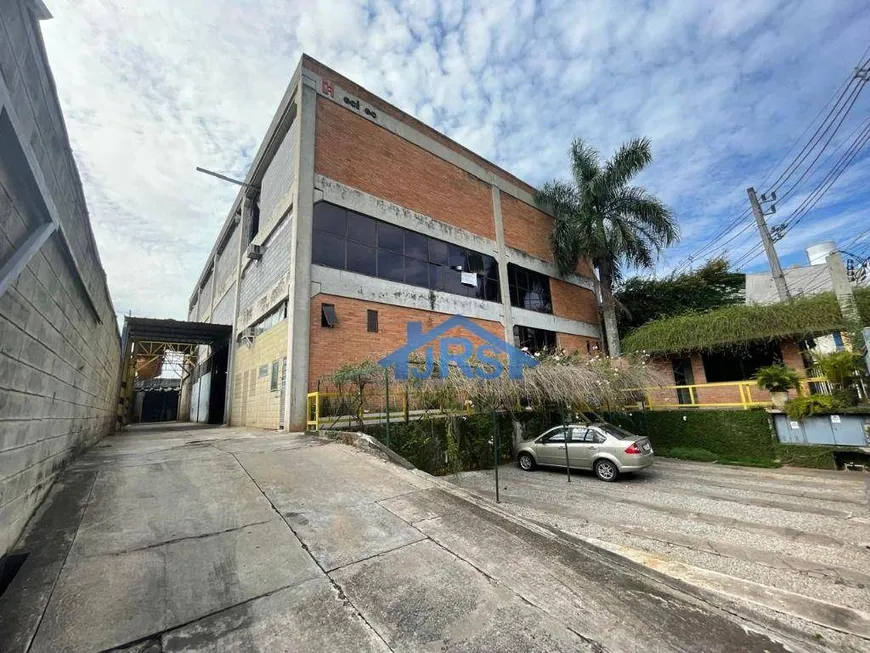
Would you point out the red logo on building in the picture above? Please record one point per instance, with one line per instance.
(327, 88)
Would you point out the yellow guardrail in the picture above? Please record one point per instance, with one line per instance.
(693, 396)
(728, 394)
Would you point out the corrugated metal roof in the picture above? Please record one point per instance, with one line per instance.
(194, 333)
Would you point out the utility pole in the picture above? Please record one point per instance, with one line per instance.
(767, 241)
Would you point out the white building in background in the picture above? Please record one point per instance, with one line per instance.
(805, 280)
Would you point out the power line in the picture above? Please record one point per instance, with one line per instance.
(848, 108)
(808, 147)
(828, 181)
(713, 241)
(836, 115)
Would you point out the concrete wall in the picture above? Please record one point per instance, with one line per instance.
(59, 341)
(225, 267)
(223, 310)
(259, 277)
(205, 295)
(278, 183)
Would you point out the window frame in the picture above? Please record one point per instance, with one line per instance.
(328, 316)
(331, 250)
(522, 281)
(276, 372)
(371, 320)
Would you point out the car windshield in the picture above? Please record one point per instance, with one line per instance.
(617, 432)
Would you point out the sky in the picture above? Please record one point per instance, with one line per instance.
(151, 89)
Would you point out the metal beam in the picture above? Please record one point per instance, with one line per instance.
(229, 179)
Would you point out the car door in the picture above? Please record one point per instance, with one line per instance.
(551, 447)
(582, 447)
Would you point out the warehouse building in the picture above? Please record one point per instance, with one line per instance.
(356, 219)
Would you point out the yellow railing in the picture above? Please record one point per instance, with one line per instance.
(729, 394)
(315, 419)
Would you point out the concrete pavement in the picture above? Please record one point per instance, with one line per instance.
(181, 539)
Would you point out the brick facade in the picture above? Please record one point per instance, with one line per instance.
(724, 393)
(573, 302)
(526, 228)
(382, 105)
(570, 343)
(351, 342)
(360, 154)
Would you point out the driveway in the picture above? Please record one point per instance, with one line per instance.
(179, 539)
(793, 543)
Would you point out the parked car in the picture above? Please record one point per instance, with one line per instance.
(605, 449)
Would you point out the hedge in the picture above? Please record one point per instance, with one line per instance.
(737, 434)
(424, 442)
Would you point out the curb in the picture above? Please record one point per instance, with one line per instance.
(365, 443)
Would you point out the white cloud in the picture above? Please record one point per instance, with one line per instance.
(152, 89)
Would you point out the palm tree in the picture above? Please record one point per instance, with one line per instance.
(602, 217)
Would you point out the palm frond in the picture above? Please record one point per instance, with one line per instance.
(584, 163)
(629, 159)
(637, 206)
(558, 196)
(566, 243)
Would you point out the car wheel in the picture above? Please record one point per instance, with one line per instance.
(526, 462)
(606, 470)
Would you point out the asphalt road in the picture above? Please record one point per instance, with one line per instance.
(792, 532)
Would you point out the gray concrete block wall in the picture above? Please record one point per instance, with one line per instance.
(59, 354)
(223, 310)
(278, 181)
(225, 269)
(260, 275)
(205, 299)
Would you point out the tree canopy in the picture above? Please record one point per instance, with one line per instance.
(643, 299)
(600, 215)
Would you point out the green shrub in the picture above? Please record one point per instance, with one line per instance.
(687, 453)
(801, 407)
(427, 445)
(737, 433)
(777, 378)
(842, 368)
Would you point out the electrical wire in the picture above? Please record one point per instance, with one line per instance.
(828, 181)
(840, 110)
(819, 134)
(809, 168)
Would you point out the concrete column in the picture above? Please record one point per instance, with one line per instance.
(299, 302)
(214, 264)
(231, 353)
(501, 255)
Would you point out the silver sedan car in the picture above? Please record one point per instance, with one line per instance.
(606, 449)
